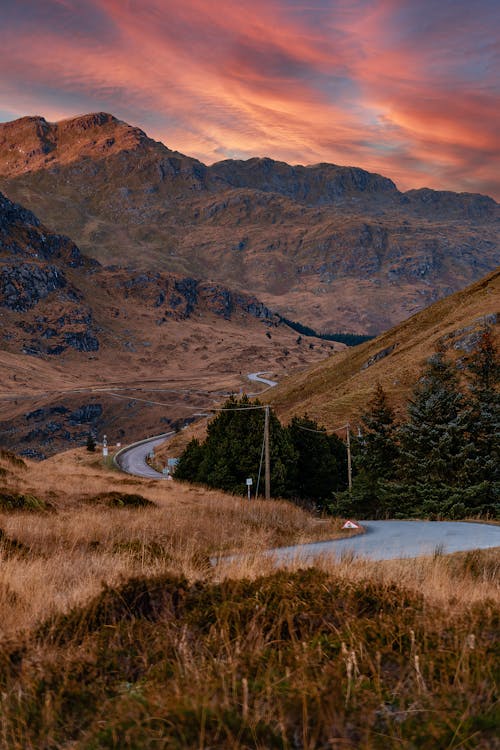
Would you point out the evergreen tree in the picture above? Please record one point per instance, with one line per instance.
(232, 450)
(320, 461)
(481, 467)
(90, 443)
(433, 445)
(375, 454)
(188, 466)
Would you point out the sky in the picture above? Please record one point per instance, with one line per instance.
(406, 88)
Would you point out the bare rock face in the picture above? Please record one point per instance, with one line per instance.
(318, 185)
(46, 312)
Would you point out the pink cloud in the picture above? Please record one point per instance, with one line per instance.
(362, 83)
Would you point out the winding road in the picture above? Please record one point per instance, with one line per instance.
(132, 458)
(255, 377)
(382, 540)
(387, 540)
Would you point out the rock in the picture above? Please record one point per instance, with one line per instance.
(379, 355)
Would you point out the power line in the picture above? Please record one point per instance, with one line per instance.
(322, 432)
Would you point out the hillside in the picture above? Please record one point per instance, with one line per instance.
(338, 389)
(117, 632)
(86, 347)
(336, 248)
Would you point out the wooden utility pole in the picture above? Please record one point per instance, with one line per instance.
(349, 467)
(267, 459)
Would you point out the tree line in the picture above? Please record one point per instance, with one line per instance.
(440, 461)
(443, 459)
(307, 464)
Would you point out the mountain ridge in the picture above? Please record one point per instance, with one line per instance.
(338, 248)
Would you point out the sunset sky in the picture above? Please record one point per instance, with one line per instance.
(407, 88)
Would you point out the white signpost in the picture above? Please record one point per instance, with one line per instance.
(249, 486)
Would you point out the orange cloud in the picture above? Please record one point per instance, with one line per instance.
(411, 93)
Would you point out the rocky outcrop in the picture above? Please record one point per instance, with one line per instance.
(37, 273)
(317, 185)
(22, 287)
(382, 354)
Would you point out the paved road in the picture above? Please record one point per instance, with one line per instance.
(256, 378)
(386, 540)
(133, 458)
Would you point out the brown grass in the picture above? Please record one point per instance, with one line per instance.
(117, 631)
(84, 543)
(339, 388)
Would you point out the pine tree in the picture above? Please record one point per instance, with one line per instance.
(433, 445)
(375, 454)
(320, 466)
(232, 450)
(188, 466)
(481, 468)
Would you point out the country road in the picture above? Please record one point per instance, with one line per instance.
(132, 459)
(387, 540)
(256, 378)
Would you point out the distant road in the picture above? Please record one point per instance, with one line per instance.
(132, 459)
(255, 377)
(387, 540)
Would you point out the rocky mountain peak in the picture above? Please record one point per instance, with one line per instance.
(32, 144)
(315, 185)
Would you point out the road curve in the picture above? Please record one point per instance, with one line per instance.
(132, 458)
(255, 377)
(382, 540)
(387, 540)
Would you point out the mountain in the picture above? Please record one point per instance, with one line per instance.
(337, 248)
(338, 389)
(85, 346)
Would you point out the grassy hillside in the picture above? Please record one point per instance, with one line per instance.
(355, 655)
(117, 633)
(338, 389)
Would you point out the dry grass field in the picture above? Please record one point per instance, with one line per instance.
(117, 632)
(84, 525)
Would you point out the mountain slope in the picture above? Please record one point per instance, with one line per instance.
(335, 247)
(338, 389)
(83, 346)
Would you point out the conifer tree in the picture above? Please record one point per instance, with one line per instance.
(481, 467)
(375, 453)
(433, 445)
(232, 450)
(320, 464)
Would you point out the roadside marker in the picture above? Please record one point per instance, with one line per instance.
(351, 525)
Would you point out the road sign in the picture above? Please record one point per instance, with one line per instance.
(351, 525)
(249, 482)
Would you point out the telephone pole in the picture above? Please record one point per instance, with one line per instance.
(349, 467)
(267, 460)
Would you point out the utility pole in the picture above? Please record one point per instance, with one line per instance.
(267, 460)
(349, 467)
